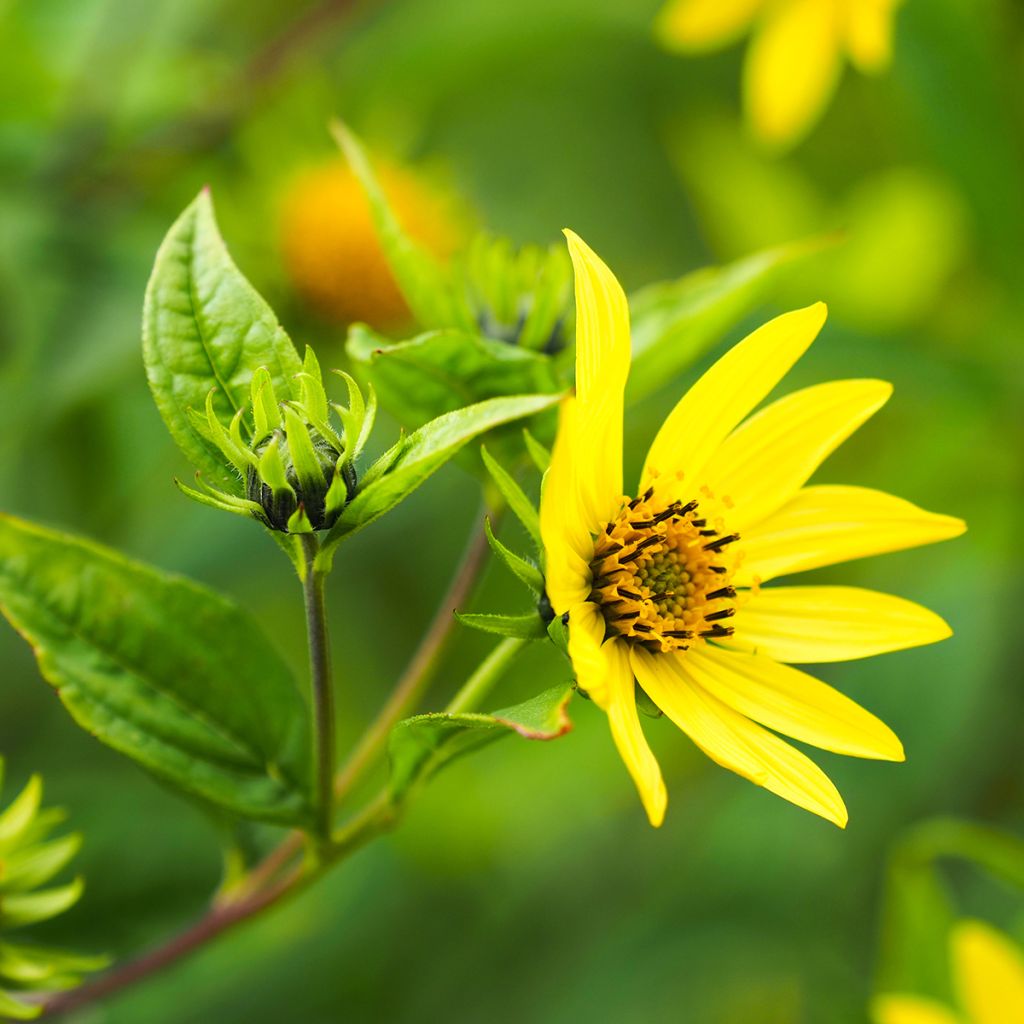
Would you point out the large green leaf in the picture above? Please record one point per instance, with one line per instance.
(162, 670)
(424, 452)
(204, 326)
(438, 372)
(675, 322)
(426, 287)
(421, 746)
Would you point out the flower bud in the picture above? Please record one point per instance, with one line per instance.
(296, 468)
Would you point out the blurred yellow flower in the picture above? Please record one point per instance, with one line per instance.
(988, 971)
(796, 54)
(661, 587)
(331, 249)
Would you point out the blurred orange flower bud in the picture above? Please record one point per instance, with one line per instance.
(330, 247)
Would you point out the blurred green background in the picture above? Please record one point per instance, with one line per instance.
(525, 884)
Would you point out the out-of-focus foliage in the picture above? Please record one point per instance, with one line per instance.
(529, 859)
(31, 857)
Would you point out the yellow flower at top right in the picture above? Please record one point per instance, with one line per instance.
(796, 53)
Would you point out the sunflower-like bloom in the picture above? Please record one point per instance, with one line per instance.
(988, 972)
(796, 55)
(664, 586)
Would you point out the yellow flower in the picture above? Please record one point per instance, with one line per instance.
(989, 974)
(330, 245)
(666, 586)
(797, 52)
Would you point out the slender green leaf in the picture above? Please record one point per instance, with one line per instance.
(441, 371)
(675, 322)
(421, 746)
(14, 1009)
(525, 627)
(37, 966)
(540, 455)
(427, 288)
(205, 327)
(161, 669)
(522, 569)
(35, 865)
(21, 908)
(17, 819)
(522, 508)
(424, 452)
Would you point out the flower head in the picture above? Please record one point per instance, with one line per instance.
(794, 60)
(295, 464)
(663, 587)
(988, 972)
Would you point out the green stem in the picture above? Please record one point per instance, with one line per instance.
(480, 683)
(322, 686)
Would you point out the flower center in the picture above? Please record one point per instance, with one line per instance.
(658, 577)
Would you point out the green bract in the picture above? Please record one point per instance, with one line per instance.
(294, 460)
(29, 859)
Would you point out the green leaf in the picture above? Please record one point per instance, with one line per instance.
(916, 921)
(522, 508)
(35, 865)
(204, 326)
(522, 569)
(38, 966)
(162, 670)
(16, 1010)
(420, 746)
(675, 322)
(17, 819)
(525, 627)
(18, 909)
(424, 452)
(540, 455)
(435, 373)
(427, 289)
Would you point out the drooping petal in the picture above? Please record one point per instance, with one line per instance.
(792, 68)
(602, 365)
(869, 32)
(793, 703)
(694, 25)
(829, 524)
(568, 547)
(628, 734)
(767, 459)
(734, 741)
(898, 1009)
(989, 971)
(590, 661)
(707, 413)
(806, 625)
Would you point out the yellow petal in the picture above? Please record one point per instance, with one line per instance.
(586, 650)
(734, 741)
(808, 625)
(990, 974)
(728, 391)
(628, 735)
(792, 702)
(568, 546)
(869, 30)
(602, 365)
(829, 524)
(694, 25)
(896, 1009)
(792, 68)
(767, 459)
